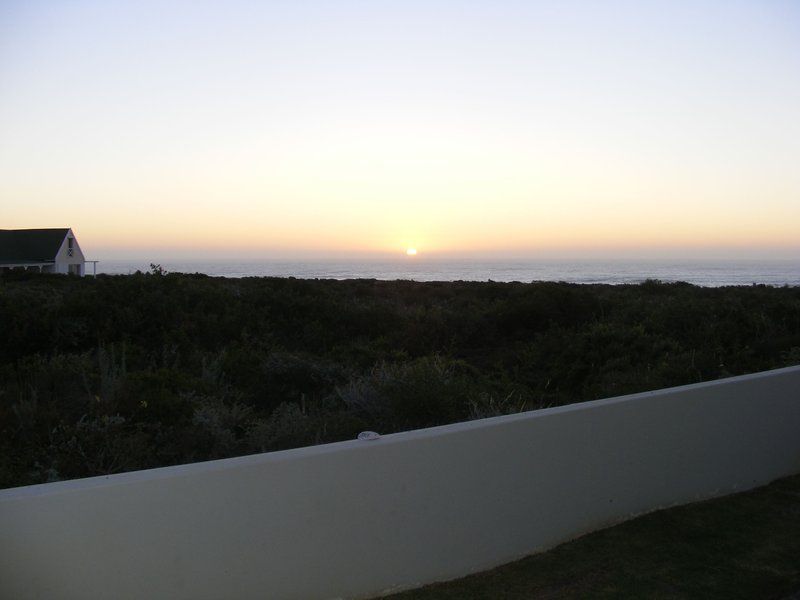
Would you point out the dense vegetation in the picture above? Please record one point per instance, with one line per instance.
(128, 372)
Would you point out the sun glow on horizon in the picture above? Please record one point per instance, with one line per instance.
(642, 136)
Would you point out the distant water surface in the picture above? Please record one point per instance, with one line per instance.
(710, 273)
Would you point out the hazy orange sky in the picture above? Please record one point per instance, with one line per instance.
(274, 129)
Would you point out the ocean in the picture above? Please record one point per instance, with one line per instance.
(710, 273)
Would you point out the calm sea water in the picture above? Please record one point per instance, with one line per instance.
(706, 273)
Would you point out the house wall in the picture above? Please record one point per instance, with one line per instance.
(355, 519)
(63, 260)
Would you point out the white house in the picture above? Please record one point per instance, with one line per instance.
(44, 250)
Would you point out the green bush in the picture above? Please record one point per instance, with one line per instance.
(108, 374)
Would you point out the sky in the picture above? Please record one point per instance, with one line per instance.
(462, 129)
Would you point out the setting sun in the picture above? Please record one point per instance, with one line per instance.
(416, 143)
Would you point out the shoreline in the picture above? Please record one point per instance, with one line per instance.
(776, 273)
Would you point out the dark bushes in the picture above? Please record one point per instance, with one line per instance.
(127, 372)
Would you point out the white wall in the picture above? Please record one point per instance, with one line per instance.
(357, 518)
(62, 258)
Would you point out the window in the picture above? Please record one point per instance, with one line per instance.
(69, 246)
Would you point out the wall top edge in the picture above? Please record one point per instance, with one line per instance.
(176, 471)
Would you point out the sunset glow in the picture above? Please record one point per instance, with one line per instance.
(350, 129)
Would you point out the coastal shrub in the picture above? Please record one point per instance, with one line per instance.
(484, 404)
(424, 392)
(113, 373)
(220, 426)
(287, 427)
(158, 396)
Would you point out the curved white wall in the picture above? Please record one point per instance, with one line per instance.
(355, 519)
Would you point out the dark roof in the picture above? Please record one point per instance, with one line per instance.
(30, 245)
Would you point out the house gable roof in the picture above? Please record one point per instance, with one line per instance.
(30, 245)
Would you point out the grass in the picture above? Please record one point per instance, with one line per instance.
(741, 546)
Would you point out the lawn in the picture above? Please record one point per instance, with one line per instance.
(741, 546)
